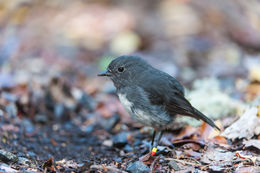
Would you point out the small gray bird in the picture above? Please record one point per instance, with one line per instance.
(150, 96)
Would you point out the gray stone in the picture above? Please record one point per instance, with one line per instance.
(23, 161)
(88, 129)
(40, 118)
(5, 168)
(8, 157)
(28, 126)
(137, 167)
(30, 154)
(6, 80)
(11, 109)
(59, 110)
(109, 123)
(173, 165)
(120, 140)
(9, 96)
(216, 169)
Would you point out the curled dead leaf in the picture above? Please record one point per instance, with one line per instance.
(245, 127)
(49, 165)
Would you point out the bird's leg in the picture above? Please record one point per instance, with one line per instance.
(154, 133)
(157, 140)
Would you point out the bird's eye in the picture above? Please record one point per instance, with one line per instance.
(120, 69)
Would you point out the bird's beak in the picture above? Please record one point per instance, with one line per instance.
(104, 73)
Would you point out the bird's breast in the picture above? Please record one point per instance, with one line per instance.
(144, 112)
(132, 109)
(125, 102)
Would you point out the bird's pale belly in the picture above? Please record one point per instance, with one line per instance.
(150, 117)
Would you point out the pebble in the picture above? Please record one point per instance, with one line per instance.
(118, 159)
(8, 157)
(11, 109)
(27, 124)
(23, 161)
(30, 154)
(9, 96)
(40, 118)
(109, 123)
(216, 169)
(5, 168)
(137, 142)
(6, 80)
(59, 110)
(120, 140)
(88, 129)
(128, 148)
(68, 125)
(108, 143)
(87, 102)
(137, 167)
(173, 165)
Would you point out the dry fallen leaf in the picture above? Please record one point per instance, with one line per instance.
(208, 132)
(252, 143)
(187, 132)
(218, 156)
(245, 127)
(219, 140)
(247, 169)
(49, 165)
(191, 153)
(148, 158)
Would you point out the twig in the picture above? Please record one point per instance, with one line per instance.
(152, 166)
(184, 162)
(195, 160)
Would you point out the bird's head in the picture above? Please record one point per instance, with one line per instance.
(125, 70)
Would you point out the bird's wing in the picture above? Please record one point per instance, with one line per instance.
(166, 93)
(163, 89)
(178, 104)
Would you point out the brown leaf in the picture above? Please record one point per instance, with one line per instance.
(148, 158)
(191, 153)
(219, 140)
(49, 165)
(53, 142)
(192, 146)
(187, 132)
(185, 141)
(208, 132)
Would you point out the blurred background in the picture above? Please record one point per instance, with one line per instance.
(51, 52)
(45, 43)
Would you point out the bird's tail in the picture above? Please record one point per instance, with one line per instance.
(204, 118)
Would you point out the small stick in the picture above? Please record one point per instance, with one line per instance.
(152, 166)
(184, 162)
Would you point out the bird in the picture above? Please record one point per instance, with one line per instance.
(151, 96)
